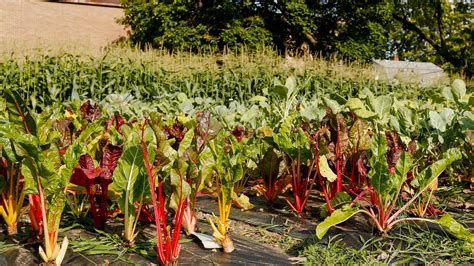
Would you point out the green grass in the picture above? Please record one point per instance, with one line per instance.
(4, 247)
(412, 244)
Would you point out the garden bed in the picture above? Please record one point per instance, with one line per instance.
(277, 176)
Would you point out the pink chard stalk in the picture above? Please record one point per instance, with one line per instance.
(167, 245)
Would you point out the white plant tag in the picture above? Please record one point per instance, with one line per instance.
(207, 241)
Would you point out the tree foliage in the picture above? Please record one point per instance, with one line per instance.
(436, 31)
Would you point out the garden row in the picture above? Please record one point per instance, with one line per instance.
(372, 154)
(46, 80)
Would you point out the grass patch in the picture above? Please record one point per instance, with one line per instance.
(412, 244)
(4, 247)
(110, 245)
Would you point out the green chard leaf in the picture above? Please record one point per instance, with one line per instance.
(429, 174)
(337, 217)
(455, 228)
(379, 175)
(358, 107)
(403, 166)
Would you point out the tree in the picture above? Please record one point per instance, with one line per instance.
(361, 30)
(436, 31)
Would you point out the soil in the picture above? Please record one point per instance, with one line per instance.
(31, 24)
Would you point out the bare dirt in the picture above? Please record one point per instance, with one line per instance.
(31, 24)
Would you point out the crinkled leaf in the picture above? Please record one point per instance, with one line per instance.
(279, 91)
(181, 188)
(269, 167)
(27, 145)
(130, 167)
(359, 135)
(405, 116)
(333, 105)
(6, 149)
(207, 163)
(447, 94)
(18, 113)
(437, 121)
(458, 88)
(110, 157)
(264, 131)
(207, 128)
(237, 172)
(403, 166)
(290, 84)
(312, 112)
(341, 198)
(90, 112)
(258, 98)
(343, 135)
(186, 142)
(358, 107)
(250, 115)
(293, 143)
(242, 202)
(29, 173)
(381, 105)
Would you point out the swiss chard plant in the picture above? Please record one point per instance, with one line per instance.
(130, 180)
(387, 177)
(340, 148)
(200, 164)
(46, 168)
(50, 172)
(271, 166)
(272, 170)
(229, 156)
(294, 141)
(97, 178)
(13, 117)
(94, 171)
(166, 170)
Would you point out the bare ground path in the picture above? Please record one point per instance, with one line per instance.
(36, 24)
